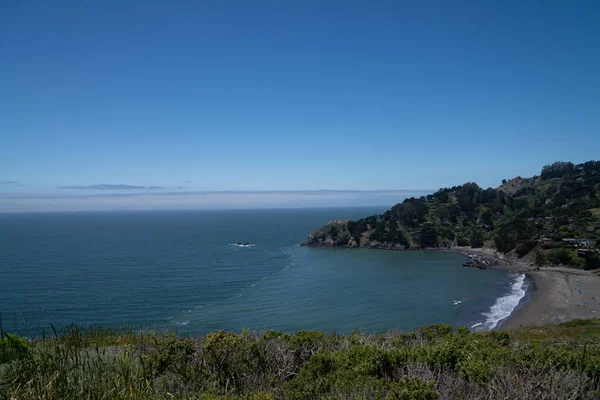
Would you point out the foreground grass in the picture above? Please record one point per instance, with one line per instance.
(437, 362)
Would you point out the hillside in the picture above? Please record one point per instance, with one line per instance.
(556, 215)
(435, 362)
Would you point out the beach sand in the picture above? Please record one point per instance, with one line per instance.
(557, 298)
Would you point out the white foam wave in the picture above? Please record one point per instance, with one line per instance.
(505, 305)
(288, 266)
(476, 325)
(243, 245)
(457, 302)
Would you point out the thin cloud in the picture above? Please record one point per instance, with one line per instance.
(10, 183)
(187, 182)
(111, 187)
(323, 194)
(161, 200)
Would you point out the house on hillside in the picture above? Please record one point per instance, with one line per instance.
(570, 241)
(545, 241)
(585, 242)
(590, 229)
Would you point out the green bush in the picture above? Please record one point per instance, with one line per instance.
(461, 241)
(523, 248)
(13, 347)
(502, 338)
(172, 355)
(559, 256)
(413, 389)
(476, 239)
(432, 332)
(563, 359)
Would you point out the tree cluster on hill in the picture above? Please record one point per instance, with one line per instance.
(563, 202)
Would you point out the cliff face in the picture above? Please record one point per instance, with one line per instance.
(563, 202)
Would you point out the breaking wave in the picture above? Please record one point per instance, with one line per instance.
(505, 305)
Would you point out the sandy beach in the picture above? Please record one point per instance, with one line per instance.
(561, 294)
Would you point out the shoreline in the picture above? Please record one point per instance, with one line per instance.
(555, 291)
(559, 296)
(554, 295)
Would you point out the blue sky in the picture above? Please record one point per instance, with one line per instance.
(194, 96)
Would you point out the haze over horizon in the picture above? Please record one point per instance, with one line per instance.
(155, 105)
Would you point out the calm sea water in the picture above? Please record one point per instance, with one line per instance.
(181, 270)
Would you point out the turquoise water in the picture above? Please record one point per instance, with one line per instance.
(181, 270)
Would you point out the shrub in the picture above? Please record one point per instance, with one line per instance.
(218, 348)
(172, 355)
(502, 338)
(462, 241)
(523, 248)
(476, 239)
(562, 361)
(436, 331)
(403, 339)
(12, 347)
(538, 257)
(413, 389)
(559, 256)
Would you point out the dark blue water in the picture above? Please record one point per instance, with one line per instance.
(179, 270)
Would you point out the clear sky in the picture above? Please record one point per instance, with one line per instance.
(103, 99)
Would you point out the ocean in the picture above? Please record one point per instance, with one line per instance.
(186, 271)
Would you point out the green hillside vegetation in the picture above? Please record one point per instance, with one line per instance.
(561, 203)
(436, 362)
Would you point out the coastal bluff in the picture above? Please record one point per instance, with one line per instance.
(336, 234)
(548, 220)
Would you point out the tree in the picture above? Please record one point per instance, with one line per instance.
(592, 262)
(557, 170)
(427, 236)
(333, 231)
(559, 256)
(476, 239)
(538, 257)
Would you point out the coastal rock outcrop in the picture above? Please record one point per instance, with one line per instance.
(334, 234)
